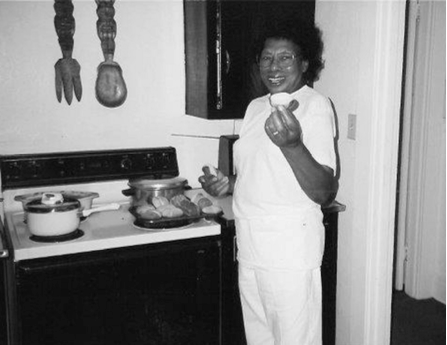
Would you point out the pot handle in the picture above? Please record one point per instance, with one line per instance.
(109, 207)
(128, 192)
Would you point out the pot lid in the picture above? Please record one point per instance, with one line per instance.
(66, 193)
(151, 184)
(52, 202)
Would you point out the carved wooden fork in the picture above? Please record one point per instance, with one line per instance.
(67, 69)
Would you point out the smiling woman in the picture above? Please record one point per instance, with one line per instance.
(301, 42)
(281, 67)
(289, 151)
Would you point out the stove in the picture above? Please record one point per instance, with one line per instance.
(102, 172)
(109, 281)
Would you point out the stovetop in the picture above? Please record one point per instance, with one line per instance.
(103, 172)
(102, 230)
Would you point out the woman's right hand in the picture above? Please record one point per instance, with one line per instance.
(215, 185)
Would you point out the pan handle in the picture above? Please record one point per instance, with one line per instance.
(108, 207)
(128, 192)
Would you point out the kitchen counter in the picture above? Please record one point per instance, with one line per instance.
(227, 219)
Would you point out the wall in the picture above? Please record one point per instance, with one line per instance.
(362, 76)
(150, 50)
(342, 69)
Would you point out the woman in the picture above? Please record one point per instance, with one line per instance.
(285, 166)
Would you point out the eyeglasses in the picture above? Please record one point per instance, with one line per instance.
(284, 60)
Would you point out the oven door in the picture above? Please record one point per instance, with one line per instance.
(165, 293)
(4, 255)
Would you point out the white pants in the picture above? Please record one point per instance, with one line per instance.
(281, 307)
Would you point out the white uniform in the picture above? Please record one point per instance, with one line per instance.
(280, 234)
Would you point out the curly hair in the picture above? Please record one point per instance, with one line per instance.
(306, 35)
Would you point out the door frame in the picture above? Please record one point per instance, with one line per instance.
(383, 158)
(410, 56)
(420, 95)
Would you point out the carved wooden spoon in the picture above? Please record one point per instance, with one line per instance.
(111, 90)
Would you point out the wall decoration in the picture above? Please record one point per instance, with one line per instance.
(67, 69)
(111, 90)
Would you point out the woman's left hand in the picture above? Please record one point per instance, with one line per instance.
(283, 128)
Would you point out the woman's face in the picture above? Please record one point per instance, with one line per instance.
(281, 67)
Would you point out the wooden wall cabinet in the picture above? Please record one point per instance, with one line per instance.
(221, 72)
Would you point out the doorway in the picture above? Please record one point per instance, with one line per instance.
(419, 274)
(420, 237)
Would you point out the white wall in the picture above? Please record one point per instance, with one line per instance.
(150, 50)
(363, 52)
(342, 68)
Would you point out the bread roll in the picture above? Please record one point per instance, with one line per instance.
(208, 169)
(170, 211)
(177, 199)
(281, 98)
(204, 202)
(143, 208)
(158, 201)
(189, 208)
(197, 197)
(150, 214)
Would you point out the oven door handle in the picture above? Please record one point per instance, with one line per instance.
(4, 253)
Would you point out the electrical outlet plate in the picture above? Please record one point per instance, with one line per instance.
(352, 126)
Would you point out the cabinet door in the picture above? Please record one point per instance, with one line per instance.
(221, 73)
(216, 36)
(329, 277)
(233, 332)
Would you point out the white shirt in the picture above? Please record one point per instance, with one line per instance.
(278, 226)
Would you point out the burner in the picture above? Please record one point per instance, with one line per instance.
(61, 238)
(161, 224)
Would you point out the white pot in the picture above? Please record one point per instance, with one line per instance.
(61, 218)
(53, 223)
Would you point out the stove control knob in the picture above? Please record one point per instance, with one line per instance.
(61, 167)
(165, 160)
(14, 171)
(126, 164)
(34, 169)
(150, 161)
